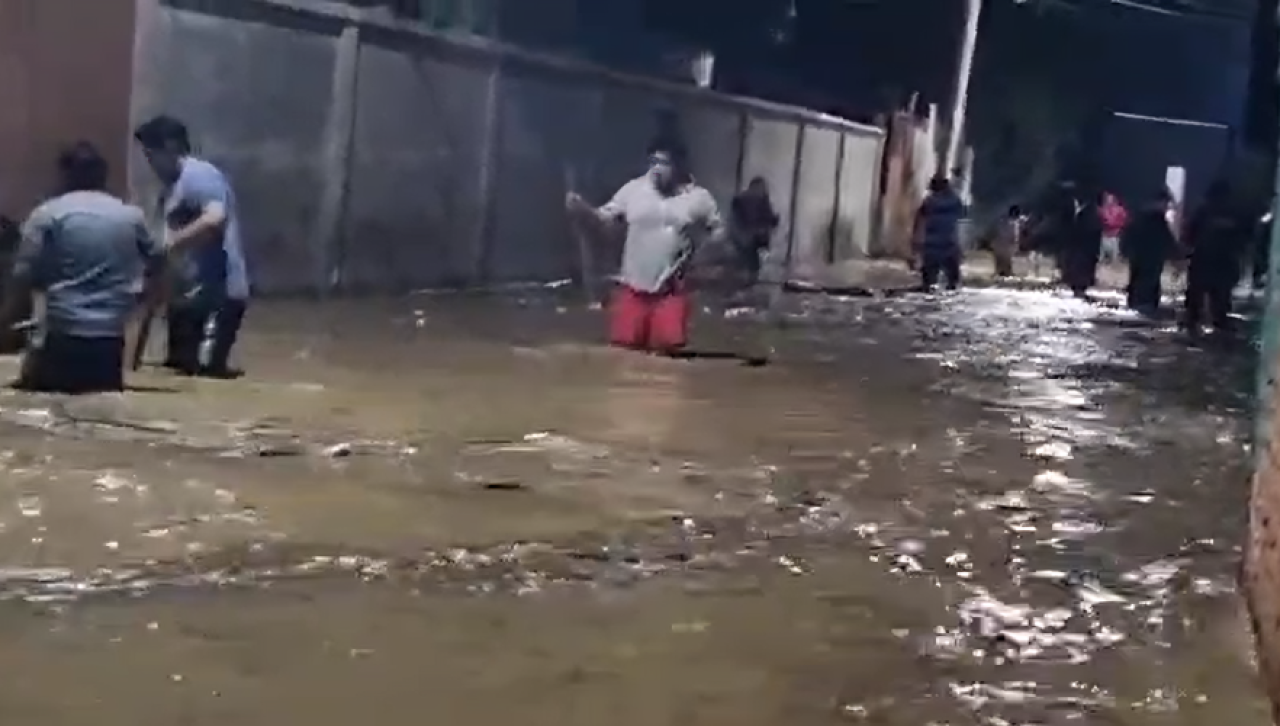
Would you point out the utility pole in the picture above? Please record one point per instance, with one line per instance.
(964, 71)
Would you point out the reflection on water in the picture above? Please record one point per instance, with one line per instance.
(994, 506)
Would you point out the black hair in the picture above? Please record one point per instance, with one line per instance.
(163, 133)
(673, 148)
(938, 184)
(1014, 211)
(82, 168)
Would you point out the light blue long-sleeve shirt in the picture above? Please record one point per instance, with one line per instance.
(211, 271)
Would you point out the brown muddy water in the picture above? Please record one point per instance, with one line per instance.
(988, 507)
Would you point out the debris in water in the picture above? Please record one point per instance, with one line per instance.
(1010, 501)
(268, 451)
(910, 547)
(338, 451)
(791, 565)
(502, 485)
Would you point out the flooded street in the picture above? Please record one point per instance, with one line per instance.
(989, 507)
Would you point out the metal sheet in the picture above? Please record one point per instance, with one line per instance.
(859, 195)
(815, 197)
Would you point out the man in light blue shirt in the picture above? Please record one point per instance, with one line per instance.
(85, 251)
(211, 277)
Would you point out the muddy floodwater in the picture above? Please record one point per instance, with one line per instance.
(989, 507)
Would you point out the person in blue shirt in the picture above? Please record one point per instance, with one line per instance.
(85, 251)
(211, 281)
(938, 234)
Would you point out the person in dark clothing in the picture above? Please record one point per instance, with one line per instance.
(1005, 241)
(1040, 231)
(752, 222)
(1219, 236)
(10, 240)
(1080, 240)
(938, 234)
(85, 251)
(1148, 243)
(1050, 223)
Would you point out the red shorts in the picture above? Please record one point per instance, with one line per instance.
(654, 321)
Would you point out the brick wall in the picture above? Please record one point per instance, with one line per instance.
(65, 75)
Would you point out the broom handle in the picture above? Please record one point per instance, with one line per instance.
(585, 258)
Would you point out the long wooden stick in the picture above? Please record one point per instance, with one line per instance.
(586, 260)
(155, 295)
(143, 337)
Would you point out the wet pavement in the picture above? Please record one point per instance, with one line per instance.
(996, 506)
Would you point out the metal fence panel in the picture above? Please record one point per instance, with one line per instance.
(859, 198)
(815, 206)
(770, 153)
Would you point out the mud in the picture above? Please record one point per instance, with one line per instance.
(996, 506)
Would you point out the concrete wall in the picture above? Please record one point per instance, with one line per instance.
(255, 87)
(416, 200)
(371, 155)
(542, 153)
(52, 96)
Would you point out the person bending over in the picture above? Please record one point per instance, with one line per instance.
(84, 251)
(211, 282)
(753, 222)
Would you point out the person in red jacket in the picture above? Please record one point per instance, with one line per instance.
(1114, 218)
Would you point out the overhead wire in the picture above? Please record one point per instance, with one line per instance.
(1191, 10)
(1236, 11)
